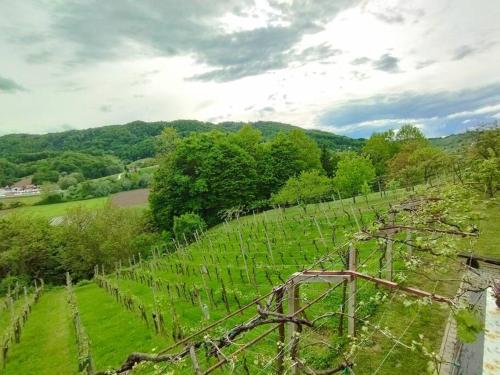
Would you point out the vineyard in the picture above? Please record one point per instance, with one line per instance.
(229, 302)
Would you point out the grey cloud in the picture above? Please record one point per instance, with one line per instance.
(39, 57)
(9, 86)
(387, 63)
(462, 52)
(439, 108)
(105, 108)
(390, 16)
(101, 31)
(360, 61)
(424, 64)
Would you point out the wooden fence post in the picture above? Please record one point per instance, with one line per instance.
(409, 248)
(351, 305)
(196, 366)
(280, 367)
(388, 258)
(294, 329)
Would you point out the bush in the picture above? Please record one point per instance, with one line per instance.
(51, 199)
(186, 225)
(16, 204)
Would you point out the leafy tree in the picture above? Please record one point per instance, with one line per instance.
(484, 156)
(28, 247)
(45, 175)
(308, 187)
(428, 161)
(410, 133)
(352, 172)
(381, 147)
(7, 172)
(66, 181)
(205, 173)
(283, 157)
(101, 237)
(186, 226)
(329, 161)
(248, 138)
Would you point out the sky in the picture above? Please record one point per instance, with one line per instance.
(345, 66)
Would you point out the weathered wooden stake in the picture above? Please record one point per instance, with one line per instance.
(388, 258)
(294, 329)
(351, 306)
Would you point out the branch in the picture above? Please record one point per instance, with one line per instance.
(309, 371)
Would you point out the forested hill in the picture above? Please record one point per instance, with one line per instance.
(136, 140)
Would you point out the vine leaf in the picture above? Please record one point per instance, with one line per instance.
(469, 325)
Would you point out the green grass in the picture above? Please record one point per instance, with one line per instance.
(27, 200)
(48, 343)
(59, 209)
(488, 243)
(114, 332)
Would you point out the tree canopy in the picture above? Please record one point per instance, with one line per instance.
(353, 172)
(205, 173)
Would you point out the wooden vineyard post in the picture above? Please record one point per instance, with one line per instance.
(280, 369)
(196, 366)
(351, 305)
(294, 329)
(409, 248)
(388, 258)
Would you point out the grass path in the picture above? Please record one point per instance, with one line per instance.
(48, 343)
(113, 331)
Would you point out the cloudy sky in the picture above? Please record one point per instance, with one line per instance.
(351, 67)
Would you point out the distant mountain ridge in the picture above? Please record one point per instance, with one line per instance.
(135, 140)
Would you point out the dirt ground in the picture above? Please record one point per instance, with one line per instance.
(130, 198)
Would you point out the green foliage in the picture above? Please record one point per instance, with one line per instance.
(410, 133)
(102, 236)
(484, 160)
(28, 248)
(7, 172)
(308, 187)
(329, 161)
(67, 181)
(206, 173)
(469, 325)
(137, 140)
(380, 148)
(187, 225)
(352, 173)
(45, 175)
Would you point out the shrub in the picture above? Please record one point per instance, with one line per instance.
(186, 225)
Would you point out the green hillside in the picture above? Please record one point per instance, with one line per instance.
(135, 140)
(455, 142)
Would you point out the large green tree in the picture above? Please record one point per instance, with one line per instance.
(353, 172)
(484, 161)
(308, 187)
(203, 173)
(380, 148)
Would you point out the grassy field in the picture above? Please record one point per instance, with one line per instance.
(27, 200)
(114, 332)
(238, 261)
(59, 209)
(47, 344)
